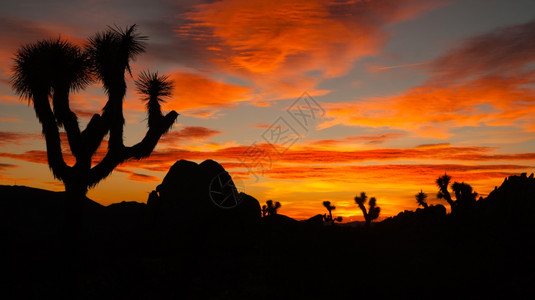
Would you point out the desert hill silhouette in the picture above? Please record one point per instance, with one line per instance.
(27, 209)
(181, 245)
(513, 202)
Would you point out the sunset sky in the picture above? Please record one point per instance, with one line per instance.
(374, 96)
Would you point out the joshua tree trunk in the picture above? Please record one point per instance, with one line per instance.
(74, 207)
(443, 183)
(448, 199)
(365, 213)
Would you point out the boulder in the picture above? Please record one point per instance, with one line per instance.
(200, 195)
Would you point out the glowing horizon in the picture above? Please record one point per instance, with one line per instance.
(404, 91)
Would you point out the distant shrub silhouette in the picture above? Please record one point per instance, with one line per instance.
(329, 218)
(52, 69)
(465, 197)
(270, 208)
(373, 210)
(420, 199)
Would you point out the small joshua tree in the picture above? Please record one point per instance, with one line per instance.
(465, 197)
(373, 210)
(329, 218)
(264, 210)
(271, 208)
(420, 199)
(52, 69)
(443, 193)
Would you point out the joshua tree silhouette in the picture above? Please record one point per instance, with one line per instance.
(55, 68)
(443, 193)
(420, 199)
(330, 208)
(465, 197)
(271, 208)
(373, 210)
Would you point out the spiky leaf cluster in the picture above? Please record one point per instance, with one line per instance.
(420, 198)
(49, 64)
(153, 86)
(111, 52)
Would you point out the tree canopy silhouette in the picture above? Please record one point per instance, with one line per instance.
(52, 69)
(373, 210)
(329, 218)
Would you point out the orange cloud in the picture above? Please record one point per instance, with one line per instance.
(201, 96)
(488, 80)
(372, 139)
(194, 94)
(163, 159)
(9, 119)
(504, 51)
(386, 174)
(17, 138)
(274, 43)
(431, 110)
(133, 176)
(188, 133)
(4, 167)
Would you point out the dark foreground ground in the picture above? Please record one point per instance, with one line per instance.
(114, 255)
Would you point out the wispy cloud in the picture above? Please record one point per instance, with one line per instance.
(383, 68)
(161, 161)
(134, 176)
(371, 139)
(10, 120)
(201, 96)
(196, 133)
(17, 138)
(487, 80)
(275, 43)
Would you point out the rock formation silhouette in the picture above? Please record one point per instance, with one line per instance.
(198, 195)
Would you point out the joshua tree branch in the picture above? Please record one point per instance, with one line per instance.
(116, 156)
(364, 211)
(50, 130)
(68, 119)
(93, 135)
(113, 113)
